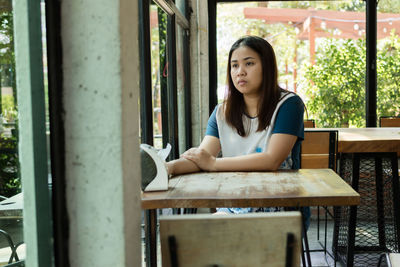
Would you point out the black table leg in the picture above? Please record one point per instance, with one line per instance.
(395, 195)
(353, 212)
(151, 238)
(351, 236)
(303, 258)
(380, 203)
(307, 248)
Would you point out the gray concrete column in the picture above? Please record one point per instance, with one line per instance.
(101, 92)
(199, 71)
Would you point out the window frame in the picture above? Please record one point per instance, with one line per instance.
(32, 133)
(169, 102)
(371, 41)
(169, 108)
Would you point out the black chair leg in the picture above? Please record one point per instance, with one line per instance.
(305, 239)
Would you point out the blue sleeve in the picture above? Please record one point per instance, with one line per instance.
(289, 119)
(212, 126)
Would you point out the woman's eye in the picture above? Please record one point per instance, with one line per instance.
(250, 63)
(234, 65)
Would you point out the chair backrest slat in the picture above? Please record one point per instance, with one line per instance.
(315, 161)
(309, 123)
(318, 149)
(389, 121)
(254, 239)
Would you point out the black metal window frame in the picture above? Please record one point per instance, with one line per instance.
(169, 106)
(57, 136)
(371, 74)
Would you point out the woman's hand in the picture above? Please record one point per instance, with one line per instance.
(201, 158)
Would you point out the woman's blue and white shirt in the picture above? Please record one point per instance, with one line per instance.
(287, 119)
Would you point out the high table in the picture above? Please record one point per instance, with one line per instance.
(368, 161)
(11, 208)
(368, 140)
(305, 187)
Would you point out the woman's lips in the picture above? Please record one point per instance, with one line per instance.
(241, 82)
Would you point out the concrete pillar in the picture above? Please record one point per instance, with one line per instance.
(101, 92)
(200, 68)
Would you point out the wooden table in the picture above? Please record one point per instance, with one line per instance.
(362, 153)
(11, 208)
(305, 187)
(366, 140)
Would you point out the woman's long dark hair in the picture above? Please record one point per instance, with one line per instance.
(270, 92)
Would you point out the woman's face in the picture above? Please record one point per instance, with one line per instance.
(246, 71)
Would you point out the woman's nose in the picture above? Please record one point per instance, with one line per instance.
(241, 71)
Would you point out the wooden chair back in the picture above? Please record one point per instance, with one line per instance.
(309, 123)
(253, 239)
(389, 122)
(318, 149)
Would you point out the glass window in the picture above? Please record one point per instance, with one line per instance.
(320, 49)
(388, 58)
(168, 80)
(10, 180)
(181, 83)
(156, 74)
(180, 4)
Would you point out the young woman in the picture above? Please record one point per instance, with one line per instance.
(259, 127)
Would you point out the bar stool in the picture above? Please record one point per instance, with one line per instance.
(363, 233)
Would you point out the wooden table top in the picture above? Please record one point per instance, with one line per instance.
(353, 140)
(304, 187)
(12, 207)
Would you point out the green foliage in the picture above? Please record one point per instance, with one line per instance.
(388, 68)
(9, 111)
(389, 6)
(7, 56)
(353, 5)
(335, 85)
(231, 25)
(384, 6)
(6, 38)
(9, 167)
(10, 182)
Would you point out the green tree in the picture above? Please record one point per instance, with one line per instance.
(6, 37)
(231, 24)
(10, 182)
(389, 6)
(335, 86)
(388, 69)
(384, 6)
(7, 56)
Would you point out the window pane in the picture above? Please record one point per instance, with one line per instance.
(10, 181)
(320, 49)
(388, 58)
(180, 4)
(155, 75)
(181, 88)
